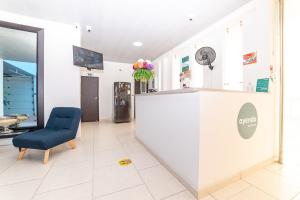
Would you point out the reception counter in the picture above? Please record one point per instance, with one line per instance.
(207, 137)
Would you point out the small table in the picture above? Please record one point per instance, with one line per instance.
(13, 134)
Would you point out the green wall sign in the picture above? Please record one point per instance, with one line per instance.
(185, 66)
(185, 59)
(247, 120)
(262, 85)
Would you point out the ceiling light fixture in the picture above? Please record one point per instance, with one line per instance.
(138, 44)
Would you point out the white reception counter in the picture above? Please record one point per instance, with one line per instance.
(204, 136)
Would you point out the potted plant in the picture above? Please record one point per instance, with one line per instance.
(143, 72)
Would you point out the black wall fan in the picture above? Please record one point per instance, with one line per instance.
(206, 56)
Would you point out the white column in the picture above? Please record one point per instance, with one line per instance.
(1, 87)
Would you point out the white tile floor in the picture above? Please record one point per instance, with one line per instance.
(91, 172)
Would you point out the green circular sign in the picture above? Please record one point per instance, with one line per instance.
(247, 120)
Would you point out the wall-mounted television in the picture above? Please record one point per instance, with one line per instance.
(87, 58)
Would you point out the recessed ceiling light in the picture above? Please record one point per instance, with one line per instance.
(138, 44)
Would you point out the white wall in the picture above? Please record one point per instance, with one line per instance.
(256, 18)
(258, 36)
(291, 76)
(1, 87)
(113, 72)
(61, 78)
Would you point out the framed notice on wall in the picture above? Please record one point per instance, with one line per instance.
(262, 85)
(250, 58)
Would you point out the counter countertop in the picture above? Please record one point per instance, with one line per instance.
(193, 90)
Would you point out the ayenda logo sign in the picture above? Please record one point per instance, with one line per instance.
(247, 120)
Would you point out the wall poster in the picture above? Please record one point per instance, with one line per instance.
(250, 58)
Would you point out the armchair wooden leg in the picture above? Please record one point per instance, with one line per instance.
(22, 153)
(72, 144)
(46, 156)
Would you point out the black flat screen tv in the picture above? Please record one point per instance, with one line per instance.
(87, 58)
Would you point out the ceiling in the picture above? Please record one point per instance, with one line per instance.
(17, 45)
(116, 24)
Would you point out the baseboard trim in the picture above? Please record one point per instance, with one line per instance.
(219, 185)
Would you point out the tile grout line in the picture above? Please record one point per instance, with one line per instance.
(157, 165)
(42, 181)
(276, 173)
(20, 182)
(72, 163)
(273, 172)
(172, 195)
(111, 193)
(9, 167)
(260, 189)
(128, 188)
(62, 188)
(233, 195)
(16, 161)
(248, 186)
(138, 172)
(144, 183)
(136, 152)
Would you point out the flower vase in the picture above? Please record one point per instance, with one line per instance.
(143, 87)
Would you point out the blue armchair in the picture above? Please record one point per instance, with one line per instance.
(61, 127)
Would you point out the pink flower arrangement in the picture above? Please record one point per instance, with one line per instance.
(143, 64)
(143, 70)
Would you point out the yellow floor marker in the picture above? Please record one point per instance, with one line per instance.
(125, 162)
